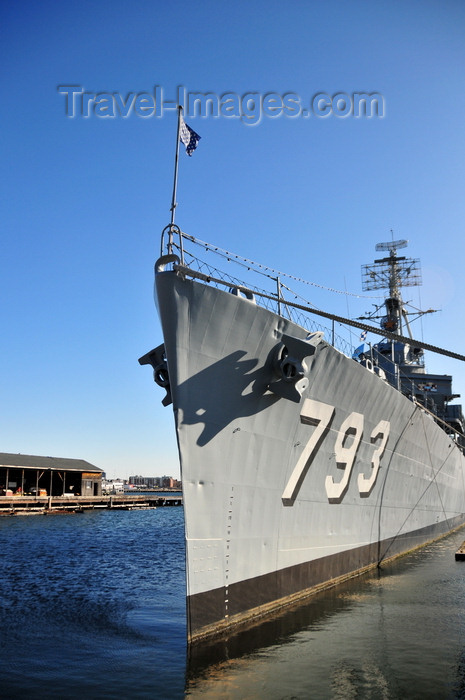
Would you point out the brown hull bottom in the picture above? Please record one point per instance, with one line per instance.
(218, 612)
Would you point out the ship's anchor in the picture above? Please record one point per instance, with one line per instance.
(157, 358)
(290, 367)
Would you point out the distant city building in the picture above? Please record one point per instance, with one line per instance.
(154, 482)
(145, 481)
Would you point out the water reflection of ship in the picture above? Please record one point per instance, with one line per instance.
(278, 629)
(368, 637)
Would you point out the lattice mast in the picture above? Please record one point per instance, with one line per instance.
(392, 273)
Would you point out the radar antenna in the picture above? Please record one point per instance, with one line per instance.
(392, 245)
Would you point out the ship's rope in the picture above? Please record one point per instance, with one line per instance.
(435, 417)
(265, 270)
(380, 510)
(424, 413)
(435, 473)
(339, 319)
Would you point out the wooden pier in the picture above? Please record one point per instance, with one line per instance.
(46, 505)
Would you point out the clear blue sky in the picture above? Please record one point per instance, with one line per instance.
(84, 199)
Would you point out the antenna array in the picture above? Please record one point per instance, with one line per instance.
(392, 272)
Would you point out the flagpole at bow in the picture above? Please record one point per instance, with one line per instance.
(175, 182)
(190, 139)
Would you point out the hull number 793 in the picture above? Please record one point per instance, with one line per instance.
(348, 439)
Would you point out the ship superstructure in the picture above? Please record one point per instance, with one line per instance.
(402, 364)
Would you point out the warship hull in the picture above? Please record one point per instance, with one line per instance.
(289, 485)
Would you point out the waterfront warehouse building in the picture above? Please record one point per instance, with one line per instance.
(30, 475)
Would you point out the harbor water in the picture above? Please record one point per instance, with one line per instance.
(93, 605)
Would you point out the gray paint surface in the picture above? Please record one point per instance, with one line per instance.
(240, 443)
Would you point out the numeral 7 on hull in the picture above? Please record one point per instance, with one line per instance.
(313, 413)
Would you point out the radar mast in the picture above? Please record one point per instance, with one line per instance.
(392, 273)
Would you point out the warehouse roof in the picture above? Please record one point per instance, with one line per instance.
(34, 462)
